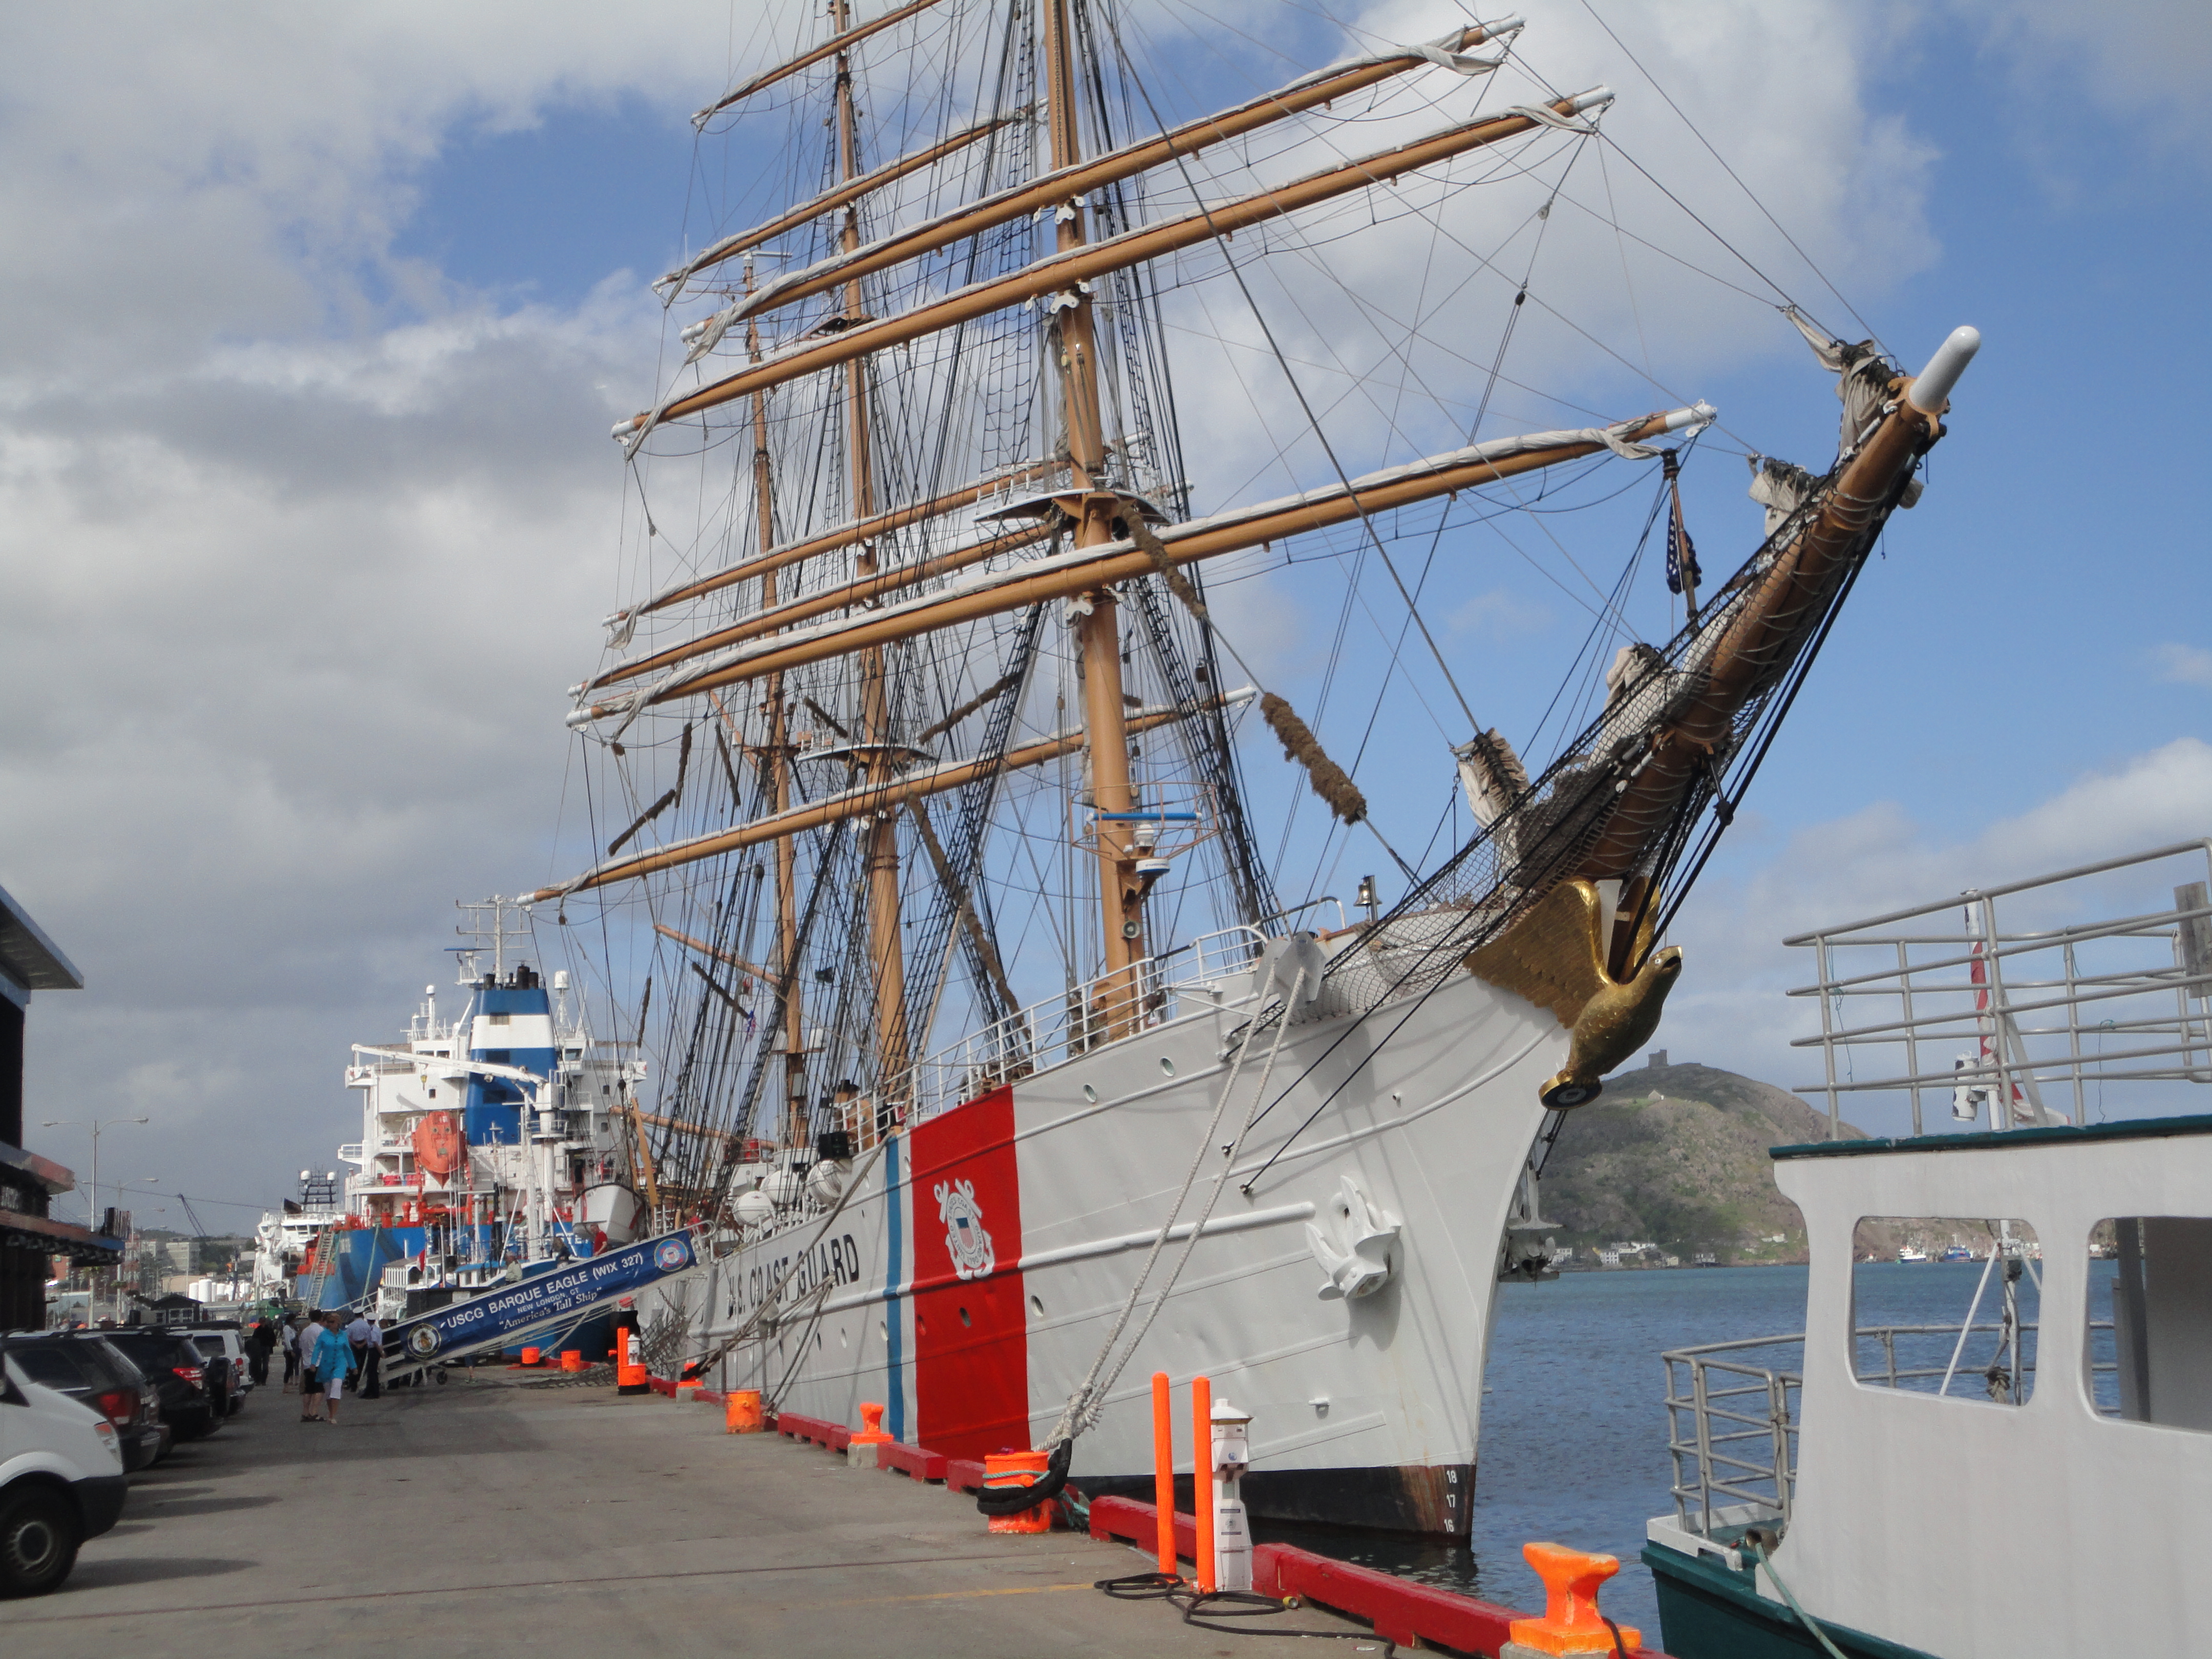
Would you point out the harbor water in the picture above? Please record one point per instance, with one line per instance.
(1574, 1434)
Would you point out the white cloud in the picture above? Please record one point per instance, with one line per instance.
(1499, 614)
(2183, 665)
(2143, 62)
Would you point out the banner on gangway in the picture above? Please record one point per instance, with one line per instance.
(510, 1310)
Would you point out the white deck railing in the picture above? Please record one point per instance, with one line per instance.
(1144, 995)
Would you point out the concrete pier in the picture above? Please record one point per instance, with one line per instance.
(493, 1515)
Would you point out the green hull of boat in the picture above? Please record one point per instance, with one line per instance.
(1707, 1611)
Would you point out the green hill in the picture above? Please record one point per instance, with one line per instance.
(1676, 1156)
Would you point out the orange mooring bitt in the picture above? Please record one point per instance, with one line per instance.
(872, 1426)
(741, 1412)
(1163, 1474)
(572, 1359)
(1201, 1477)
(1018, 1468)
(1570, 1624)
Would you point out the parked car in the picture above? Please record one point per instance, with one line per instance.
(226, 1343)
(97, 1374)
(61, 1480)
(179, 1371)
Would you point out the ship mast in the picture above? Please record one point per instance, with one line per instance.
(886, 955)
(1094, 508)
(779, 761)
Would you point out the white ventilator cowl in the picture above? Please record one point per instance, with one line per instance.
(1932, 390)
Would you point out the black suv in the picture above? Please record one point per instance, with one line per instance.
(101, 1378)
(178, 1371)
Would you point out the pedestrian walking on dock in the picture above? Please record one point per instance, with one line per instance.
(333, 1361)
(288, 1336)
(357, 1333)
(259, 1342)
(371, 1362)
(304, 1345)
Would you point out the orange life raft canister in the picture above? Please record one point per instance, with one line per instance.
(438, 1144)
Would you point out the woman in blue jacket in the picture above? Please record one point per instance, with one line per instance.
(333, 1359)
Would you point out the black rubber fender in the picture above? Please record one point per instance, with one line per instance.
(1012, 1500)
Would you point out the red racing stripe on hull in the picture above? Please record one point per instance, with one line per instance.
(971, 1373)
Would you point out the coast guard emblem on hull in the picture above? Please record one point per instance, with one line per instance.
(965, 1241)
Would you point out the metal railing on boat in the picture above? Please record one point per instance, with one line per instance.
(1732, 1423)
(2123, 1000)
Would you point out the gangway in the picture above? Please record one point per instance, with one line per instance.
(552, 1298)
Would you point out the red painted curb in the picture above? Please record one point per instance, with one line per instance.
(834, 1437)
(914, 1461)
(1399, 1609)
(963, 1475)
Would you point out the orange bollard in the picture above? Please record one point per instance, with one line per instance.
(1163, 1474)
(530, 1356)
(572, 1359)
(1570, 1624)
(1021, 1469)
(1201, 1477)
(872, 1426)
(741, 1412)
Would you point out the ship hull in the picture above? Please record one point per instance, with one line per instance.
(972, 1277)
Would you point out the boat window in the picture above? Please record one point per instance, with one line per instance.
(2150, 1319)
(1946, 1305)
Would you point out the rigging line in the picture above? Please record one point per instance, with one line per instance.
(1619, 229)
(1327, 448)
(1436, 541)
(1732, 174)
(1627, 281)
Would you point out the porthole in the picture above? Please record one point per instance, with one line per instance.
(1091, 1094)
(964, 1319)
(844, 1337)
(883, 1329)
(1167, 1065)
(1037, 1306)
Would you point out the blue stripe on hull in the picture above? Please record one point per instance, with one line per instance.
(895, 1338)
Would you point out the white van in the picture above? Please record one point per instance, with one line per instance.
(61, 1480)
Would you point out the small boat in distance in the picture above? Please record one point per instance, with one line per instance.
(1910, 1253)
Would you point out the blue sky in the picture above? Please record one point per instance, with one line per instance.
(306, 512)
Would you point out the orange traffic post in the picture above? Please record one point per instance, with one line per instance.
(1201, 1477)
(1163, 1474)
(1570, 1624)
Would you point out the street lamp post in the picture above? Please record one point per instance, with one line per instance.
(95, 1125)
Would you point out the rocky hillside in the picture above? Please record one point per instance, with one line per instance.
(1676, 1155)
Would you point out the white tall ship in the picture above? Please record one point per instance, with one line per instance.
(918, 698)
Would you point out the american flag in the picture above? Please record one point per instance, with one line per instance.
(1681, 552)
